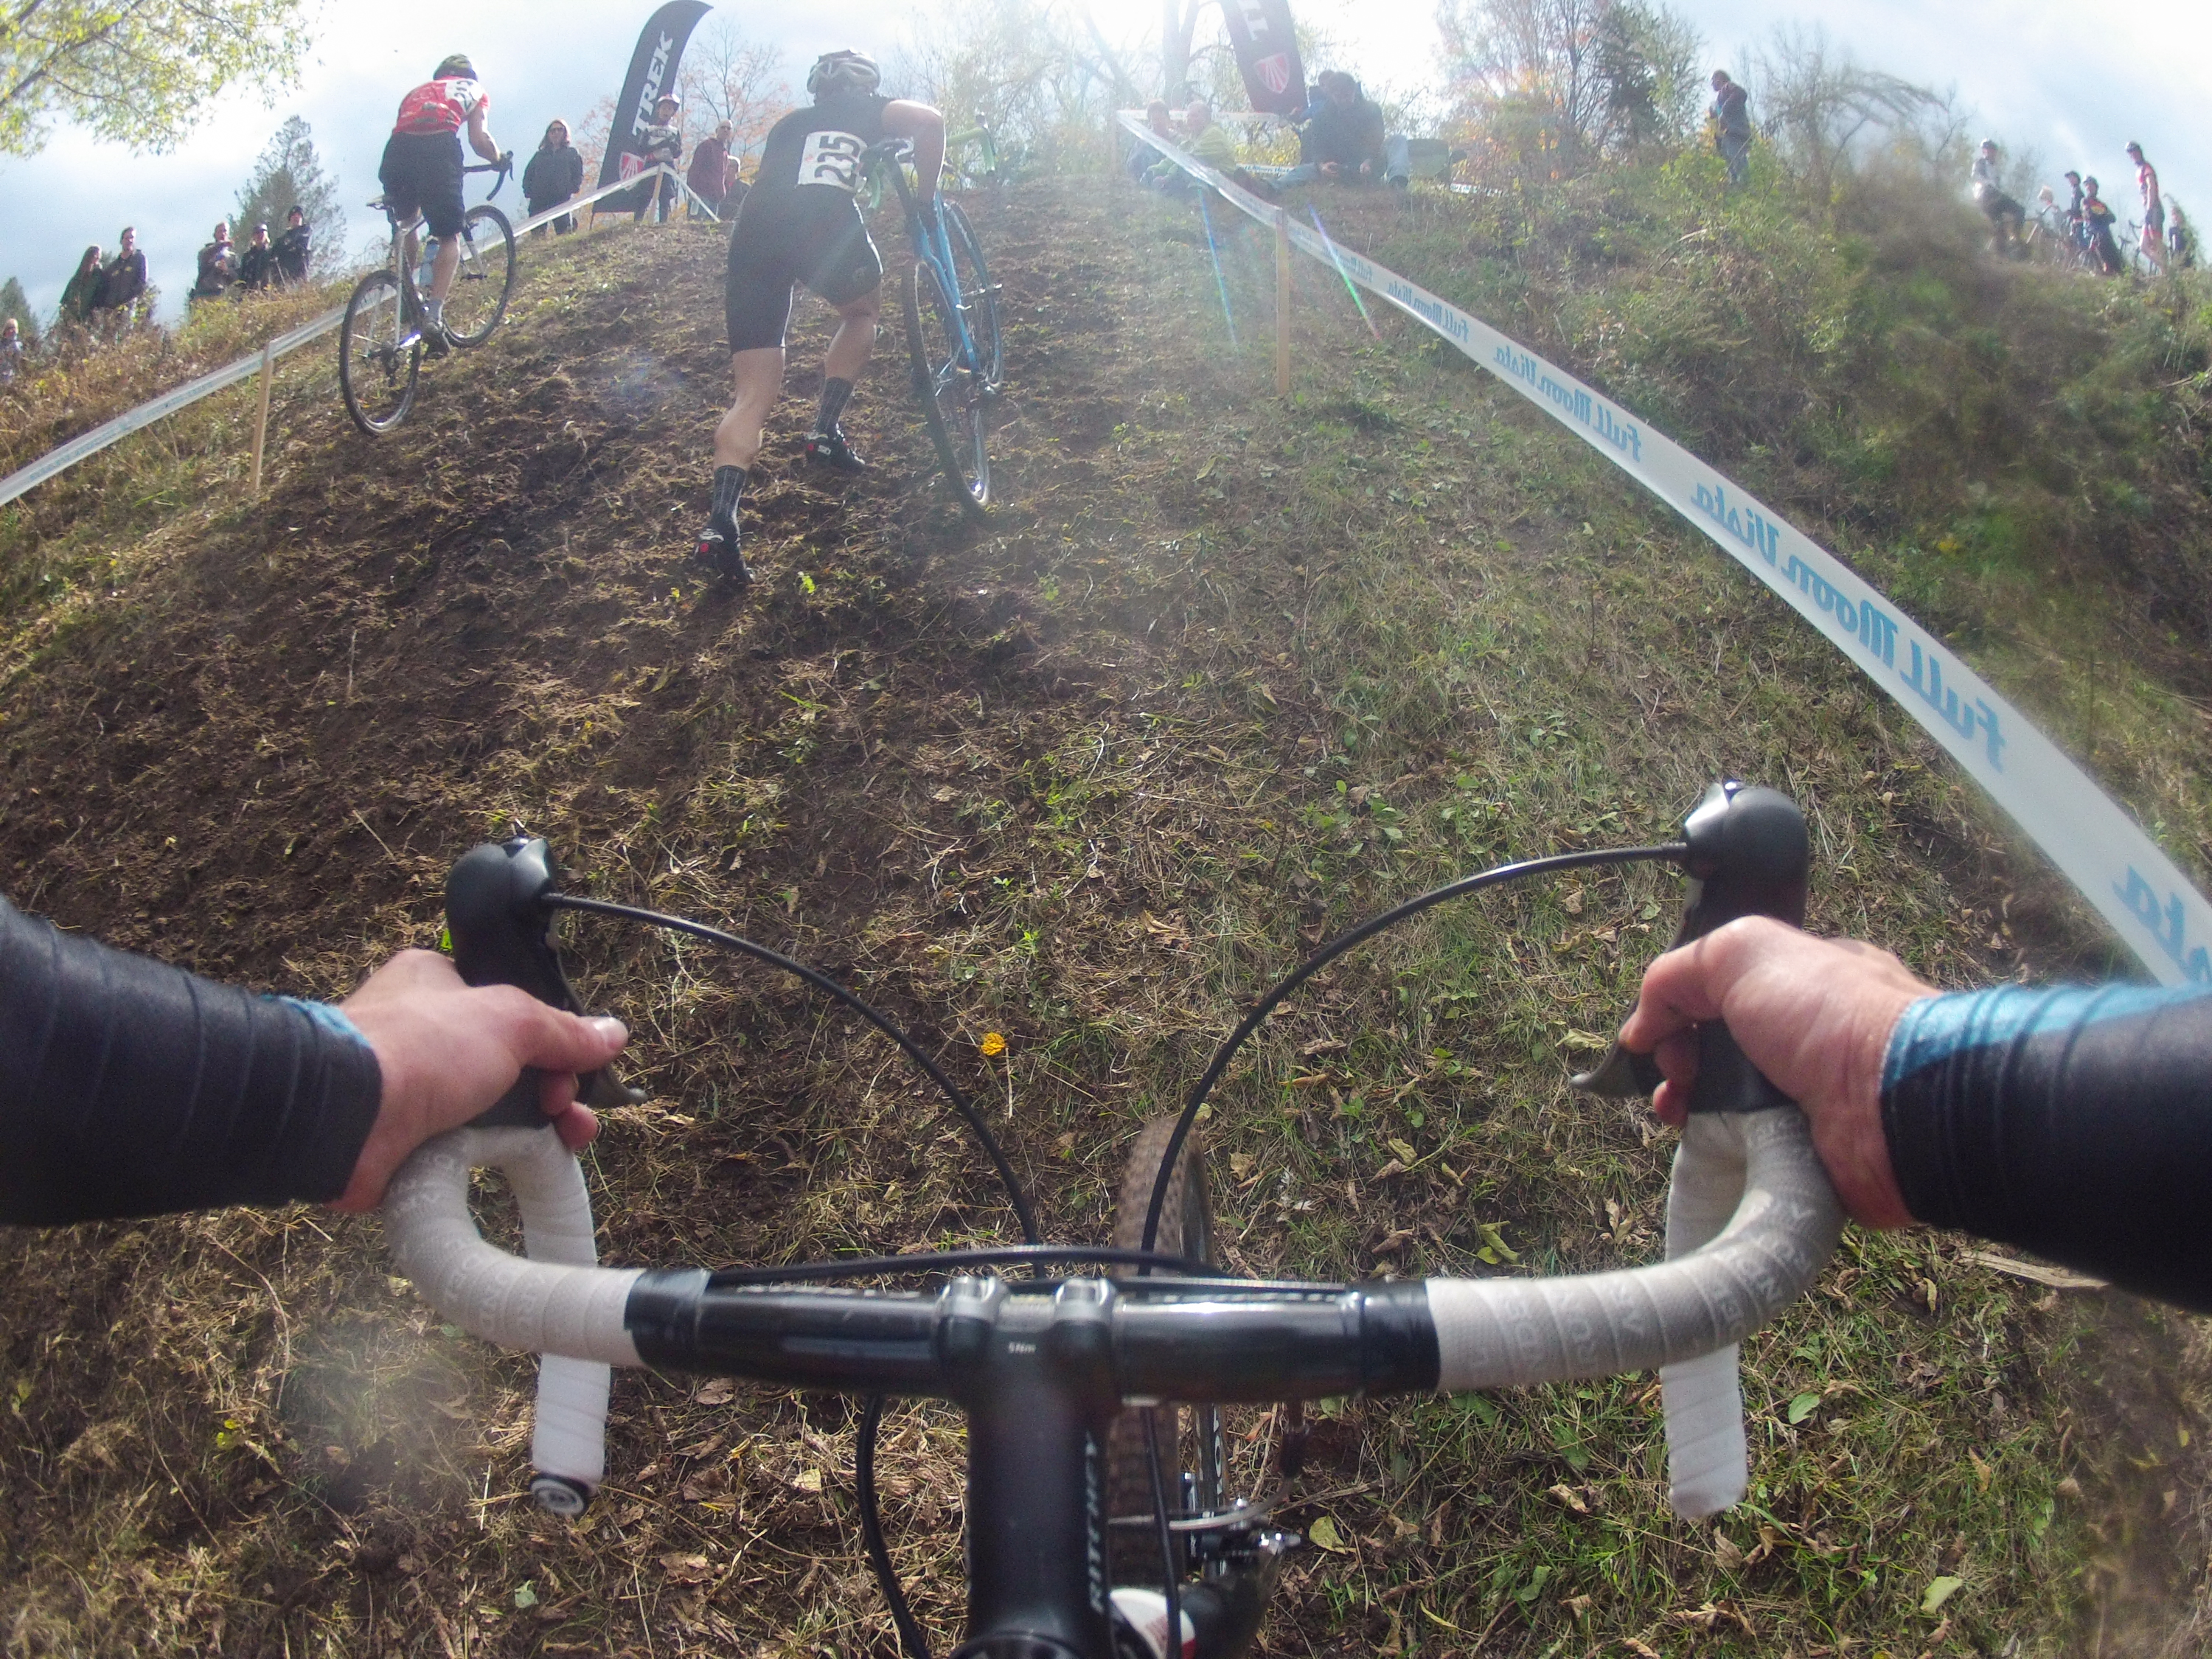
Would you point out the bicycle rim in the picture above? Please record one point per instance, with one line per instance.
(1187, 1231)
(950, 393)
(380, 355)
(976, 292)
(485, 277)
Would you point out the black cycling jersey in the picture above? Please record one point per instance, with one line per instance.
(818, 148)
(2072, 1122)
(129, 1088)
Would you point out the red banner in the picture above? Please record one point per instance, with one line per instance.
(1267, 53)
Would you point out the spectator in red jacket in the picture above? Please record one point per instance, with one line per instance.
(713, 175)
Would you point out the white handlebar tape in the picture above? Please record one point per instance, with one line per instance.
(1758, 1172)
(559, 1302)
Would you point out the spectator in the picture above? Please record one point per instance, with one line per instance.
(2005, 216)
(1731, 117)
(81, 296)
(1342, 140)
(257, 266)
(123, 281)
(1142, 158)
(218, 265)
(713, 175)
(11, 350)
(555, 175)
(2153, 207)
(1204, 140)
(2077, 226)
(295, 249)
(664, 144)
(2181, 239)
(2097, 221)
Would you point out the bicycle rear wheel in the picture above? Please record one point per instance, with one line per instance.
(486, 277)
(380, 355)
(978, 292)
(950, 389)
(1187, 1231)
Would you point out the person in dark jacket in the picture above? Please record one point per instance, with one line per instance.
(295, 249)
(1343, 138)
(122, 280)
(81, 295)
(555, 174)
(257, 266)
(218, 265)
(713, 175)
(1731, 119)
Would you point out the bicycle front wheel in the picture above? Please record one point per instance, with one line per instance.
(950, 390)
(485, 278)
(978, 294)
(1134, 1458)
(380, 355)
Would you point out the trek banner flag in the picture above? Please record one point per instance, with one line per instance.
(1267, 52)
(651, 72)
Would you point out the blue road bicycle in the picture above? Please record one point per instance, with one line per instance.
(954, 351)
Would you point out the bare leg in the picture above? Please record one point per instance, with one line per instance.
(855, 339)
(443, 267)
(758, 376)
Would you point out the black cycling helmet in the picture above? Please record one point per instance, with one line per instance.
(843, 71)
(456, 66)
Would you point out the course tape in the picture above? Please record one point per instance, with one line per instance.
(83, 447)
(2092, 840)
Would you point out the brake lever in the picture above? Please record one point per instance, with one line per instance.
(1748, 856)
(502, 930)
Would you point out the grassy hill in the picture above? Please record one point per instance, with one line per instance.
(1223, 673)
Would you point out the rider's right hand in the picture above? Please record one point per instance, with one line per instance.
(1815, 1015)
(447, 1051)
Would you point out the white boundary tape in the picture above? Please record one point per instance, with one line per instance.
(57, 461)
(2092, 839)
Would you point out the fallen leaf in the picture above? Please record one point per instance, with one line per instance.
(1940, 1591)
(686, 1569)
(1983, 1473)
(1726, 1552)
(1567, 1495)
(1323, 1535)
(1240, 1165)
(719, 1391)
(1640, 1649)
(807, 1481)
(1803, 1407)
(525, 1596)
(1406, 1155)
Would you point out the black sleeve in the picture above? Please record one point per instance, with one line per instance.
(2075, 1123)
(128, 1087)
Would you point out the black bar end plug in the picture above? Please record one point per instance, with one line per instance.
(1748, 856)
(501, 932)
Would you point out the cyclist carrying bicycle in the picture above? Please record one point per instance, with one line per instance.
(801, 223)
(421, 174)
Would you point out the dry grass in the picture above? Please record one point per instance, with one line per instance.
(1223, 674)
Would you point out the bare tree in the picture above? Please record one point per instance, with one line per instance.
(1024, 70)
(1824, 111)
(729, 76)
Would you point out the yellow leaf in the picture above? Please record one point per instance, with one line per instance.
(1323, 1535)
(807, 1481)
(1940, 1591)
(1493, 1239)
(1406, 1154)
(993, 1045)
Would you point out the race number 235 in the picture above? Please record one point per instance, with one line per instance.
(832, 159)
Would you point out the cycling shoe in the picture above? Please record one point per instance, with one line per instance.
(831, 450)
(437, 342)
(717, 549)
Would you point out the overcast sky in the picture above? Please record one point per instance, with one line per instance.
(2072, 84)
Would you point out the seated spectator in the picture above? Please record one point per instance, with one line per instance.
(295, 249)
(1342, 140)
(662, 144)
(257, 266)
(81, 295)
(11, 350)
(1142, 158)
(713, 175)
(122, 280)
(218, 265)
(555, 174)
(1204, 140)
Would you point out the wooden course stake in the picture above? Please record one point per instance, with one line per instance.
(261, 420)
(1282, 304)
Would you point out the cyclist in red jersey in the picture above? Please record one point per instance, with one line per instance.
(800, 223)
(2153, 207)
(422, 173)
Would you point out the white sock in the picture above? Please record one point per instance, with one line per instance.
(435, 310)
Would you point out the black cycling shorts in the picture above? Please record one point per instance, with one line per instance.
(421, 173)
(781, 238)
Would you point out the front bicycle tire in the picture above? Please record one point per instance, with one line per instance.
(380, 355)
(1133, 1555)
(485, 277)
(977, 293)
(950, 389)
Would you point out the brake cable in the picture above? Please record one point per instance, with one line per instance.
(1335, 948)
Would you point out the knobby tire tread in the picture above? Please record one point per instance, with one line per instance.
(485, 214)
(376, 283)
(924, 376)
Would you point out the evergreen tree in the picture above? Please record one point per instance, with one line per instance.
(290, 174)
(13, 302)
